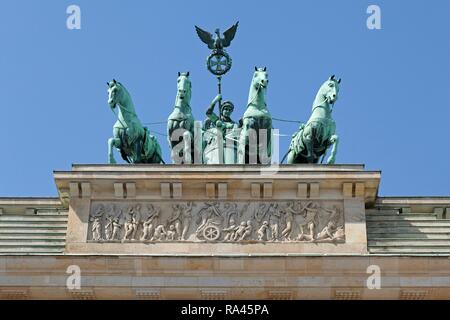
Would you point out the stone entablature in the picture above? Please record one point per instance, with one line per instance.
(226, 209)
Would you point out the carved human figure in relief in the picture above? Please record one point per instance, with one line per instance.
(331, 231)
(240, 230)
(247, 231)
(327, 232)
(181, 218)
(96, 229)
(176, 217)
(150, 223)
(339, 234)
(117, 227)
(172, 233)
(288, 212)
(308, 220)
(230, 231)
(307, 236)
(160, 233)
(96, 220)
(187, 217)
(132, 223)
(263, 231)
(243, 231)
(274, 221)
(110, 215)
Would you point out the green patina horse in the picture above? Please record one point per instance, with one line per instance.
(134, 142)
(180, 124)
(255, 144)
(313, 139)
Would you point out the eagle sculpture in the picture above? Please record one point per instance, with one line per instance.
(217, 42)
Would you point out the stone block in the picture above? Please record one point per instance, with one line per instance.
(177, 189)
(211, 190)
(30, 211)
(85, 189)
(267, 190)
(347, 189)
(74, 191)
(314, 191)
(439, 212)
(165, 190)
(222, 190)
(302, 190)
(405, 210)
(256, 190)
(360, 189)
(131, 189)
(118, 190)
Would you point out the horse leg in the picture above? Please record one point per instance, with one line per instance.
(112, 142)
(138, 151)
(157, 157)
(335, 141)
(309, 144)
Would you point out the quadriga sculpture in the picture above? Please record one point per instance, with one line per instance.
(180, 124)
(313, 139)
(255, 138)
(134, 142)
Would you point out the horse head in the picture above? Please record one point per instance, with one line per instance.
(329, 90)
(184, 89)
(260, 78)
(258, 88)
(115, 93)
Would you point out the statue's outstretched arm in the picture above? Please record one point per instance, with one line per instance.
(210, 111)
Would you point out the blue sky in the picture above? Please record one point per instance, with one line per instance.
(392, 115)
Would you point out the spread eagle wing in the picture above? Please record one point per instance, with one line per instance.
(228, 35)
(206, 37)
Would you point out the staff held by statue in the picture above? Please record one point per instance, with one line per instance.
(218, 62)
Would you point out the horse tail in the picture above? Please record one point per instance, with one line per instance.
(124, 155)
(285, 156)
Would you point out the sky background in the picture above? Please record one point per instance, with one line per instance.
(392, 115)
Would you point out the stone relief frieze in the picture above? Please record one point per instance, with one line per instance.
(217, 221)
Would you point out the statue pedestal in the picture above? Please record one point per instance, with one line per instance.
(220, 210)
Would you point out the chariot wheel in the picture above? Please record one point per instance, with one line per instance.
(218, 63)
(211, 233)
